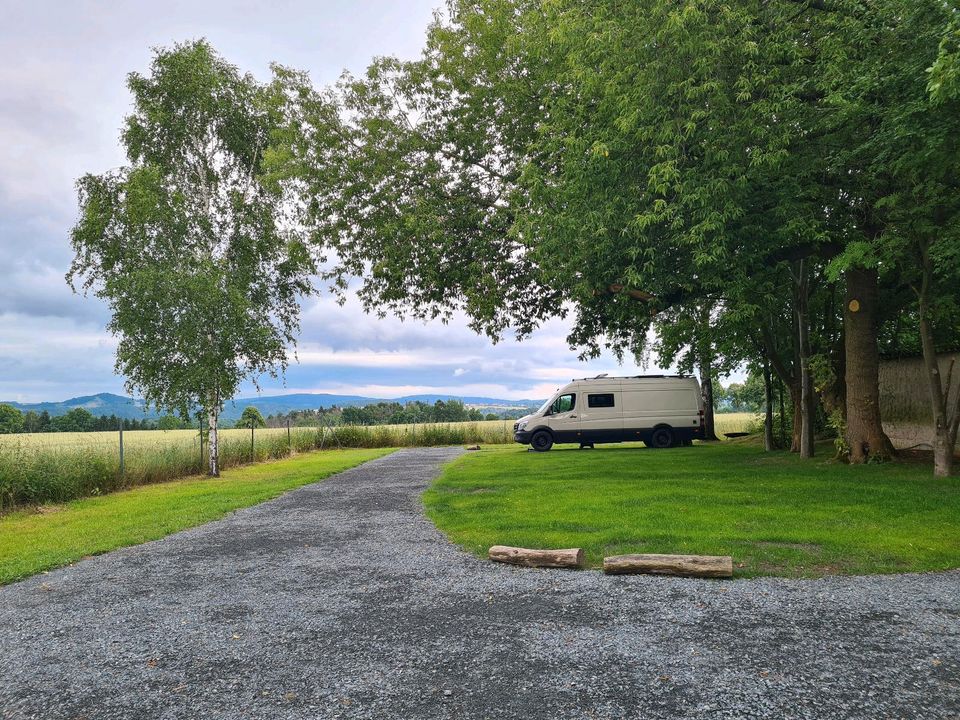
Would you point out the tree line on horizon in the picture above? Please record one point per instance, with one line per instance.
(390, 413)
(13, 420)
(736, 397)
(770, 185)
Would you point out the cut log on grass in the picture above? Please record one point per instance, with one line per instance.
(682, 565)
(570, 558)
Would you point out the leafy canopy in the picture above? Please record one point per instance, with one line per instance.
(11, 419)
(251, 418)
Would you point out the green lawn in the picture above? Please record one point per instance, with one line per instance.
(775, 514)
(51, 536)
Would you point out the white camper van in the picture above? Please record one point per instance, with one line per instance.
(661, 410)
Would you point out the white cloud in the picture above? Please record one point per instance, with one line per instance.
(367, 358)
(492, 390)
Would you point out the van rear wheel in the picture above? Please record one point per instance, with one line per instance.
(662, 438)
(541, 441)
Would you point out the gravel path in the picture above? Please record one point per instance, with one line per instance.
(341, 599)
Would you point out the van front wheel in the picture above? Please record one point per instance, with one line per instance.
(541, 441)
(662, 438)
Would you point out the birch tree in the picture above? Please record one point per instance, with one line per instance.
(185, 244)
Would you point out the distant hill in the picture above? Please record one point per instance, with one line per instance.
(130, 408)
(100, 404)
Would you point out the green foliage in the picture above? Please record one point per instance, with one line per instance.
(11, 419)
(944, 83)
(34, 422)
(822, 372)
(251, 418)
(775, 514)
(393, 413)
(625, 161)
(171, 422)
(75, 420)
(747, 396)
(838, 423)
(410, 175)
(185, 244)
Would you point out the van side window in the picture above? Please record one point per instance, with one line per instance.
(564, 403)
(602, 400)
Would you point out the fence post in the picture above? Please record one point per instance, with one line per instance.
(251, 441)
(289, 442)
(122, 468)
(200, 431)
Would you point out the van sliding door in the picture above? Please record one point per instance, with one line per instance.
(601, 417)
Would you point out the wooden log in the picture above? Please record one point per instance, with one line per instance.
(569, 558)
(682, 565)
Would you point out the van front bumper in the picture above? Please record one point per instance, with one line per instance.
(522, 437)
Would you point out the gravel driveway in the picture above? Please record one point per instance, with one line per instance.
(341, 599)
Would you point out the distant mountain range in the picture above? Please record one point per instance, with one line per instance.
(130, 408)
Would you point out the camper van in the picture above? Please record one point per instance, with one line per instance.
(661, 410)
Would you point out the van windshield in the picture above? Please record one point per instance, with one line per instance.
(543, 408)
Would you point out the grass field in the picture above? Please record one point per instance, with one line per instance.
(774, 513)
(51, 536)
(733, 422)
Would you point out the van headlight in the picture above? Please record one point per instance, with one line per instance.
(521, 425)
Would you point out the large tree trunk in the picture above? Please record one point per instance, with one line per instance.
(865, 435)
(213, 443)
(768, 443)
(946, 419)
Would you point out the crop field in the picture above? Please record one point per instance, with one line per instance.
(735, 422)
(56, 467)
(485, 431)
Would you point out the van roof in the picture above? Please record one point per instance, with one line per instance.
(632, 377)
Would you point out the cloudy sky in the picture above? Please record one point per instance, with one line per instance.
(62, 101)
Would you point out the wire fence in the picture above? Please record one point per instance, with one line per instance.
(36, 468)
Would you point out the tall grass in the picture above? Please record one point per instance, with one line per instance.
(33, 472)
